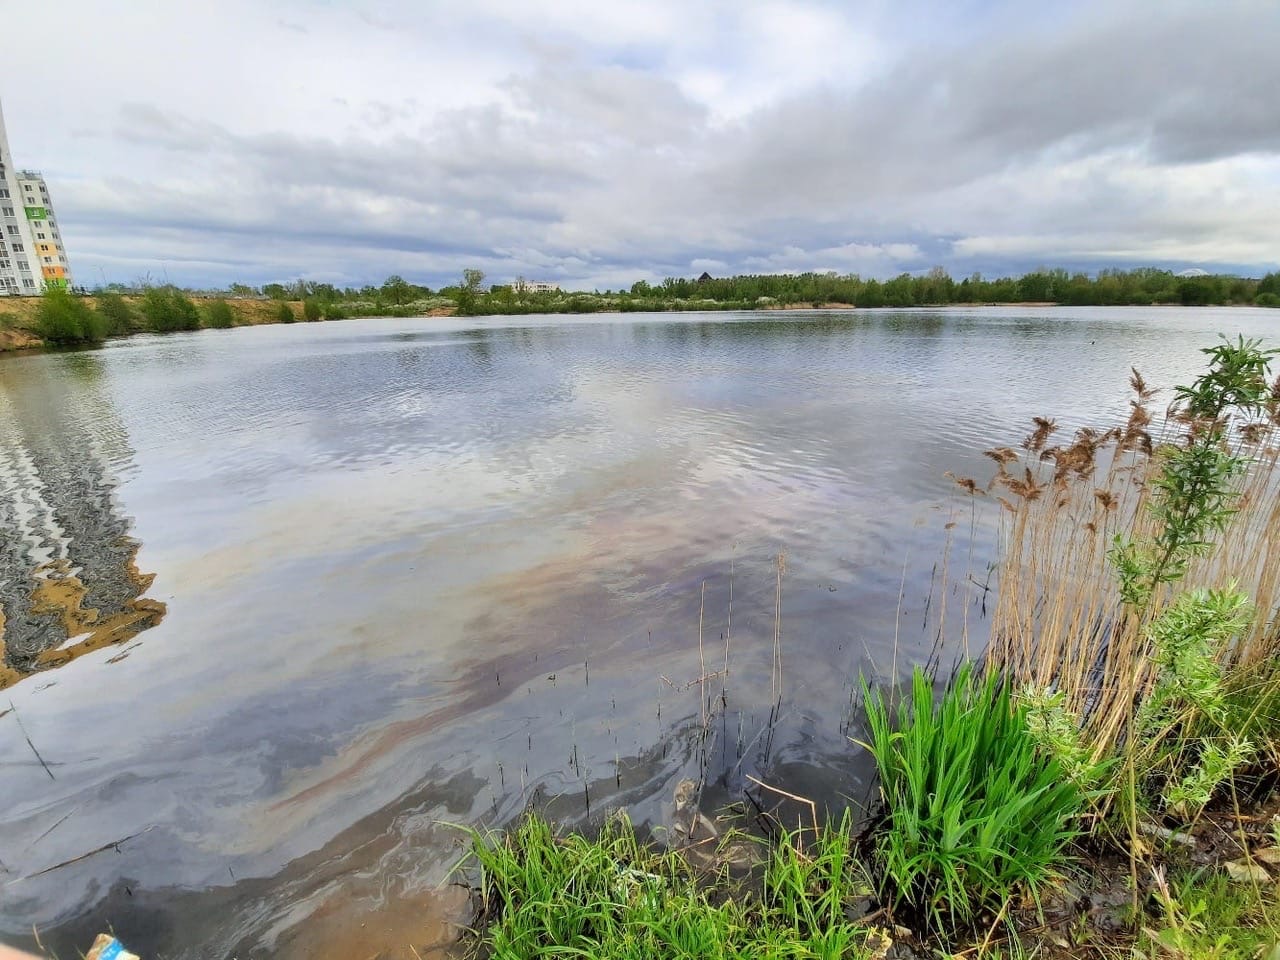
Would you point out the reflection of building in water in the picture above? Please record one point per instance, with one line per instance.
(69, 581)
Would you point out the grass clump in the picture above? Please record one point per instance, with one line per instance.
(616, 898)
(218, 315)
(974, 811)
(284, 314)
(311, 310)
(64, 319)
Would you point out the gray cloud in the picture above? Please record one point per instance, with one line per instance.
(547, 142)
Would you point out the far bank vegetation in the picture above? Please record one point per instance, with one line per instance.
(119, 310)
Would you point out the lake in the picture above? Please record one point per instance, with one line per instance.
(283, 605)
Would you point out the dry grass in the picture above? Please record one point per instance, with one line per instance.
(1059, 623)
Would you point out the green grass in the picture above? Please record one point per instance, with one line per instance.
(974, 811)
(1207, 916)
(616, 898)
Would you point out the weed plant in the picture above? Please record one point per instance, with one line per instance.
(974, 811)
(1206, 916)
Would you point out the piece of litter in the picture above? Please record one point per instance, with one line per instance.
(107, 947)
(1243, 871)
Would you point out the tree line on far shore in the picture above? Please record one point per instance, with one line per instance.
(470, 296)
(66, 318)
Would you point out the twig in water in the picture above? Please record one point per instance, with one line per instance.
(702, 660)
(14, 711)
(813, 807)
(113, 845)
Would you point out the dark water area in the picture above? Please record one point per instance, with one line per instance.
(283, 604)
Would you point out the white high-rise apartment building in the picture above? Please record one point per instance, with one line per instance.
(32, 256)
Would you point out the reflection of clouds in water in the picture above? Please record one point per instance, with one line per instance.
(377, 547)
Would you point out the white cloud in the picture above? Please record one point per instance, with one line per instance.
(603, 143)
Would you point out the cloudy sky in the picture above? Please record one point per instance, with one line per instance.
(596, 142)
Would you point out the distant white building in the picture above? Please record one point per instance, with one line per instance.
(534, 286)
(32, 256)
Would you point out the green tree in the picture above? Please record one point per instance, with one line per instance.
(218, 315)
(276, 291)
(470, 290)
(311, 309)
(395, 289)
(284, 314)
(64, 319)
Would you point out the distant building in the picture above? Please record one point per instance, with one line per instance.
(534, 286)
(32, 256)
(705, 278)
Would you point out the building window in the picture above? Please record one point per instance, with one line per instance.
(28, 283)
(48, 259)
(7, 211)
(41, 236)
(17, 247)
(6, 265)
(12, 230)
(4, 193)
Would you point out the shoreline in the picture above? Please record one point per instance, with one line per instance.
(16, 337)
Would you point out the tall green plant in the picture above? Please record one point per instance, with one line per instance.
(973, 809)
(1194, 498)
(1180, 737)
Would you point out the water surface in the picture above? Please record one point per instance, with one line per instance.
(292, 598)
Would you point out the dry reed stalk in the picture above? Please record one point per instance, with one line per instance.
(1058, 622)
(813, 807)
(702, 664)
(780, 565)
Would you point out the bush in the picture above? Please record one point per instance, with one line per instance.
(1268, 300)
(218, 315)
(167, 309)
(972, 808)
(311, 310)
(284, 314)
(62, 318)
(334, 312)
(116, 314)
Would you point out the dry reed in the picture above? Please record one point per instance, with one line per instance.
(1059, 623)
